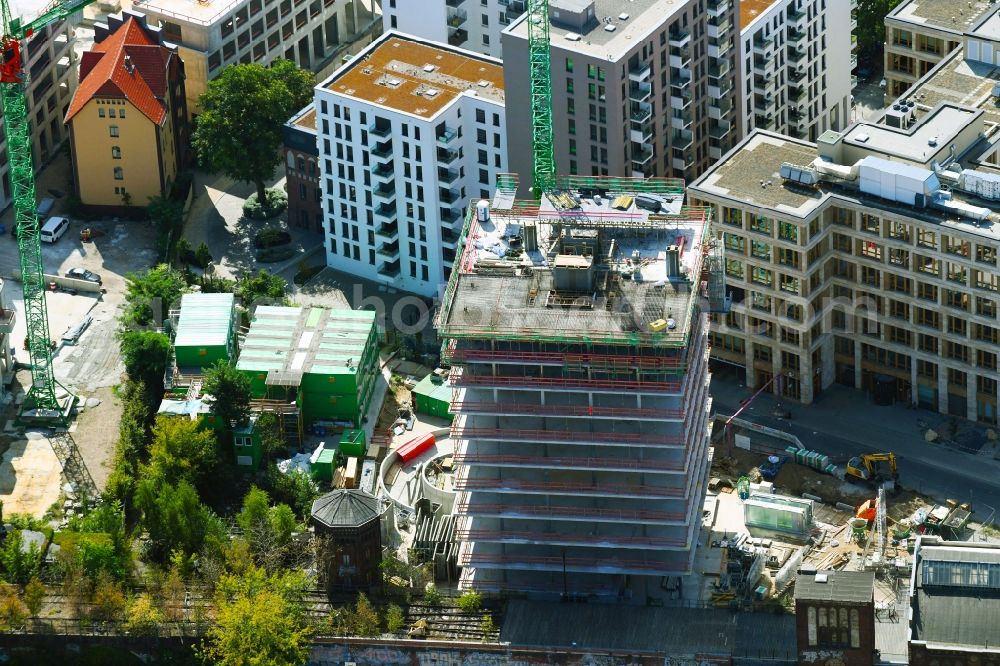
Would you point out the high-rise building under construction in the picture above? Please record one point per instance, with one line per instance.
(576, 327)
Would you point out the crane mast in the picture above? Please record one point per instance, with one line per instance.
(41, 397)
(540, 71)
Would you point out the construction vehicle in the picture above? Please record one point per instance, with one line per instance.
(41, 401)
(875, 469)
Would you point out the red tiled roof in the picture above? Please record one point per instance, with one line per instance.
(129, 63)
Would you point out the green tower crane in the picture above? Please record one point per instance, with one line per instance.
(540, 74)
(41, 399)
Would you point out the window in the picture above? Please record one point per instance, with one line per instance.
(788, 232)
(869, 223)
(111, 113)
(569, 64)
(760, 224)
(760, 250)
(121, 113)
(116, 152)
(119, 173)
(100, 112)
(113, 130)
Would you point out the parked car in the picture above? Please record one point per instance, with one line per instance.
(83, 274)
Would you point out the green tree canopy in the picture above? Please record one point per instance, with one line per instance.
(259, 620)
(230, 393)
(150, 295)
(243, 110)
(175, 518)
(267, 529)
(871, 26)
(262, 286)
(145, 354)
(182, 450)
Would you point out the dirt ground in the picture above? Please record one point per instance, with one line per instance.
(96, 433)
(792, 479)
(30, 476)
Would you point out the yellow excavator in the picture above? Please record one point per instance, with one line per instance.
(875, 469)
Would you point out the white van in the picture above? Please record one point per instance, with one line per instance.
(54, 228)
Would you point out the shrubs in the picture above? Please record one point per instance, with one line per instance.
(470, 601)
(271, 237)
(276, 203)
(272, 254)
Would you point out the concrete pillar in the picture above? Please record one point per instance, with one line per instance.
(857, 363)
(914, 393)
(806, 380)
(779, 382)
(942, 379)
(971, 411)
(751, 374)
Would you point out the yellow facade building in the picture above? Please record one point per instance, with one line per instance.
(128, 119)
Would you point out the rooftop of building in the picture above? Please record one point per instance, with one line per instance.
(129, 63)
(956, 80)
(306, 118)
(205, 320)
(287, 342)
(588, 261)
(198, 12)
(750, 10)
(938, 126)
(633, 22)
(845, 586)
(946, 15)
(417, 76)
(956, 595)
(345, 508)
(750, 177)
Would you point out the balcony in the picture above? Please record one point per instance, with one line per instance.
(446, 176)
(720, 130)
(457, 37)
(7, 320)
(450, 215)
(448, 196)
(446, 156)
(680, 39)
(717, 8)
(641, 133)
(640, 92)
(386, 211)
(680, 58)
(641, 158)
(764, 46)
(512, 9)
(763, 65)
(717, 29)
(640, 73)
(389, 269)
(795, 36)
(681, 121)
(447, 136)
(453, 3)
(719, 49)
(456, 17)
(682, 139)
(798, 20)
(641, 112)
(385, 190)
(383, 150)
(718, 70)
(388, 249)
(389, 231)
(384, 170)
(380, 130)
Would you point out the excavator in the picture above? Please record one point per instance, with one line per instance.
(875, 469)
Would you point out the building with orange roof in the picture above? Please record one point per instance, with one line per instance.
(128, 118)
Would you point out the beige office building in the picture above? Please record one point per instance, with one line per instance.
(920, 33)
(869, 258)
(641, 88)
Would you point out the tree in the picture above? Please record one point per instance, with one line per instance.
(366, 619)
(268, 529)
(133, 433)
(143, 617)
(871, 26)
(259, 620)
(243, 111)
(432, 596)
(487, 626)
(34, 596)
(175, 518)
(300, 82)
(263, 286)
(173, 595)
(145, 354)
(230, 393)
(12, 611)
(109, 599)
(19, 564)
(182, 450)
(149, 296)
(296, 489)
(394, 618)
(167, 216)
(271, 441)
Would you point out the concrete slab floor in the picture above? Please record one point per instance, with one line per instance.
(30, 476)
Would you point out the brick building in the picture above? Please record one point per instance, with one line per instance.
(835, 618)
(305, 199)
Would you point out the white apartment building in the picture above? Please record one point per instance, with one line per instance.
(469, 24)
(212, 34)
(409, 133)
(50, 63)
(792, 67)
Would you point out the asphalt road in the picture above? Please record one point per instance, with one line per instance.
(844, 423)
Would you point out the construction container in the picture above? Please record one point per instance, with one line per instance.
(247, 446)
(326, 361)
(779, 513)
(432, 396)
(352, 443)
(322, 463)
(415, 447)
(206, 330)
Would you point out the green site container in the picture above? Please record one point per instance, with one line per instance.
(206, 330)
(247, 446)
(432, 396)
(352, 444)
(322, 469)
